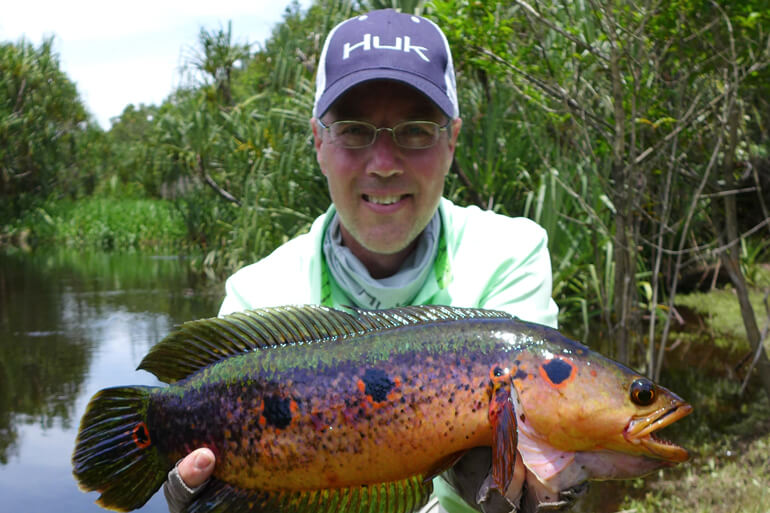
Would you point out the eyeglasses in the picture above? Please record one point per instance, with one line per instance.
(412, 135)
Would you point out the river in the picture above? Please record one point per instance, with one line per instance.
(72, 323)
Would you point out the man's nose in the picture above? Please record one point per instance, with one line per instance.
(386, 155)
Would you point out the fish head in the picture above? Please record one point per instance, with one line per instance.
(574, 399)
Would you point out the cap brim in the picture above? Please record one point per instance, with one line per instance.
(426, 87)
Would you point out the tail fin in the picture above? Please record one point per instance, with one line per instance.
(114, 451)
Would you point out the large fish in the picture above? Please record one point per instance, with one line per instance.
(310, 409)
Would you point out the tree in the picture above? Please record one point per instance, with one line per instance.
(216, 57)
(41, 118)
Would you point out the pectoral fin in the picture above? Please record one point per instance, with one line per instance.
(502, 417)
(442, 465)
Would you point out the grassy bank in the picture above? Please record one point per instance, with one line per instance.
(100, 223)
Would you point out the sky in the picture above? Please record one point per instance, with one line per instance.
(121, 53)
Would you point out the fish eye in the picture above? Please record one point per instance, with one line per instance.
(642, 392)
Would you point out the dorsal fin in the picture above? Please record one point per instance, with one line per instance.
(411, 315)
(197, 344)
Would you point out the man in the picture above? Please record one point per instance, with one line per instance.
(385, 126)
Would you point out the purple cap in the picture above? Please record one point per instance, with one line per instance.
(388, 45)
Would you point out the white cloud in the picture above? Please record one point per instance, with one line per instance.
(122, 53)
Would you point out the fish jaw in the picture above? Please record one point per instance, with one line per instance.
(606, 465)
(640, 431)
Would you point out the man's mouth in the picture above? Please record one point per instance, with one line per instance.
(383, 200)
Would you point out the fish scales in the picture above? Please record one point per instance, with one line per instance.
(310, 409)
(331, 415)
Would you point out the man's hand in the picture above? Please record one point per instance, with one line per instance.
(472, 478)
(188, 478)
(196, 467)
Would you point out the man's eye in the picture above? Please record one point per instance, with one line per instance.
(354, 129)
(416, 129)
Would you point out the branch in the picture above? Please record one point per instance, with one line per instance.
(758, 352)
(20, 96)
(716, 250)
(477, 199)
(582, 44)
(210, 181)
(556, 91)
(685, 230)
(687, 119)
(759, 193)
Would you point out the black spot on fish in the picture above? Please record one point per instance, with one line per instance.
(557, 370)
(520, 374)
(277, 411)
(378, 384)
(523, 418)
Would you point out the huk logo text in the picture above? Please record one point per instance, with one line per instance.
(373, 43)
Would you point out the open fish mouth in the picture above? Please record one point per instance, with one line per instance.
(641, 431)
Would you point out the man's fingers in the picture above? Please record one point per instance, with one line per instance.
(196, 467)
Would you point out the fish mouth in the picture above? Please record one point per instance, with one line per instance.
(641, 431)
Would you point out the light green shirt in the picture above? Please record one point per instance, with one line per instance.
(484, 260)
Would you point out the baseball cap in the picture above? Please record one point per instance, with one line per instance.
(387, 44)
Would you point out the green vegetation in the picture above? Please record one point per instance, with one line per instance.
(42, 127)
(719, 307)
(106, 224)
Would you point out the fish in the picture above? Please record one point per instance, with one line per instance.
(314, 409)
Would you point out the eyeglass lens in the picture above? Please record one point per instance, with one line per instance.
(410, 134)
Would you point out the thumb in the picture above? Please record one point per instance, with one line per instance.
(196, 467)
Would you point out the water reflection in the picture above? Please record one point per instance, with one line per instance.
(71, 324)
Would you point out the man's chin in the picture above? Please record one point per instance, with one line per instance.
(386, 247)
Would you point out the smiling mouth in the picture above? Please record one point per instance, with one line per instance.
(383, 200)
(640, 431)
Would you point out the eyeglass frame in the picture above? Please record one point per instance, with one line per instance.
(392, 131)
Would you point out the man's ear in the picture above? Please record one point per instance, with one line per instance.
(317, 140)
(316, 133)
(454, 132)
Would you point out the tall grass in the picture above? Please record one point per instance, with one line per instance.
(510, 159)
(108, 224)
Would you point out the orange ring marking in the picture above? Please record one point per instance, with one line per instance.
(141, 436)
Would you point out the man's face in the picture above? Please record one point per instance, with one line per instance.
(385, 195)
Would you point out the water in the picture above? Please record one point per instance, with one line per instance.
(71, 324)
